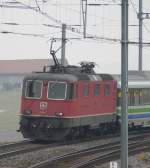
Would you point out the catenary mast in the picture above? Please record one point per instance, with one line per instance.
(124, 84)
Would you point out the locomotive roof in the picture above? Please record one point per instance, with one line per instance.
(68, 77)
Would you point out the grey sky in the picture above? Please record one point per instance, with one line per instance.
(103, 21)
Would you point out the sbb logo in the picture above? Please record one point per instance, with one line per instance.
(43, 105)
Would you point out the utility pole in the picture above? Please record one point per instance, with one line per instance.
(63, 63)
(84, 15)
(140, 34)
(124, 84)
(141, 17)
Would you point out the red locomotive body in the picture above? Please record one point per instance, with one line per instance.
(59, 104)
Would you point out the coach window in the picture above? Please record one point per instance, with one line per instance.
(106, 90)
(33, 89)
(57, 90)
(96, 89)
(131, 97)
(134, 98)
(145, 96)
(85, 90)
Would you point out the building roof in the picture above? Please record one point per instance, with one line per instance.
(136, 79)
(135, 76)
(23, 66)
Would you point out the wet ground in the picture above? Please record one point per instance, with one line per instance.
(10, 136)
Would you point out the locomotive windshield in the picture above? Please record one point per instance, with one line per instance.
(57, 90)
(33, 89)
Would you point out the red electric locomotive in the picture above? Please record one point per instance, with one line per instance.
(67, 101)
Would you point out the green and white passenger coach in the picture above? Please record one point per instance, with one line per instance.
(138, 98)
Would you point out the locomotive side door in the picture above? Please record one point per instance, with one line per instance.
(109, 100)
(97, 98)
(84, 98)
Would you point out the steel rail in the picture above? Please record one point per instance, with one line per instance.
(27, 149)
(112, 155)
(14, 144)
(19, 151)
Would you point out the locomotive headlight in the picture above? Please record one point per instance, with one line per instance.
(59, 114)
(27, 112)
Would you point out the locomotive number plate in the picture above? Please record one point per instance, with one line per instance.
(43, 105)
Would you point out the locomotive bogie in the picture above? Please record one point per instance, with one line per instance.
(44, 128)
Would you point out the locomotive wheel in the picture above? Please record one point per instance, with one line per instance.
(78, 132)
(59, 134)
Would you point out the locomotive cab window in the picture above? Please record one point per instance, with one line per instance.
(33, 89)
(57, 90)
(70, 91)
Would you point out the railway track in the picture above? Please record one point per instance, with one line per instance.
(25, 147)
(2, 147)
(22, 147)
(11, 146)
(98, 154)
(134, 148)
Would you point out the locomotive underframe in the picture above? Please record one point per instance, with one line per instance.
(55, 128)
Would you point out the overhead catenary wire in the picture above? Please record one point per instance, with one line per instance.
(53, 19)
(37, 5)
(59, 22)
(71, 28)
(24, 34)
(135, 10)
